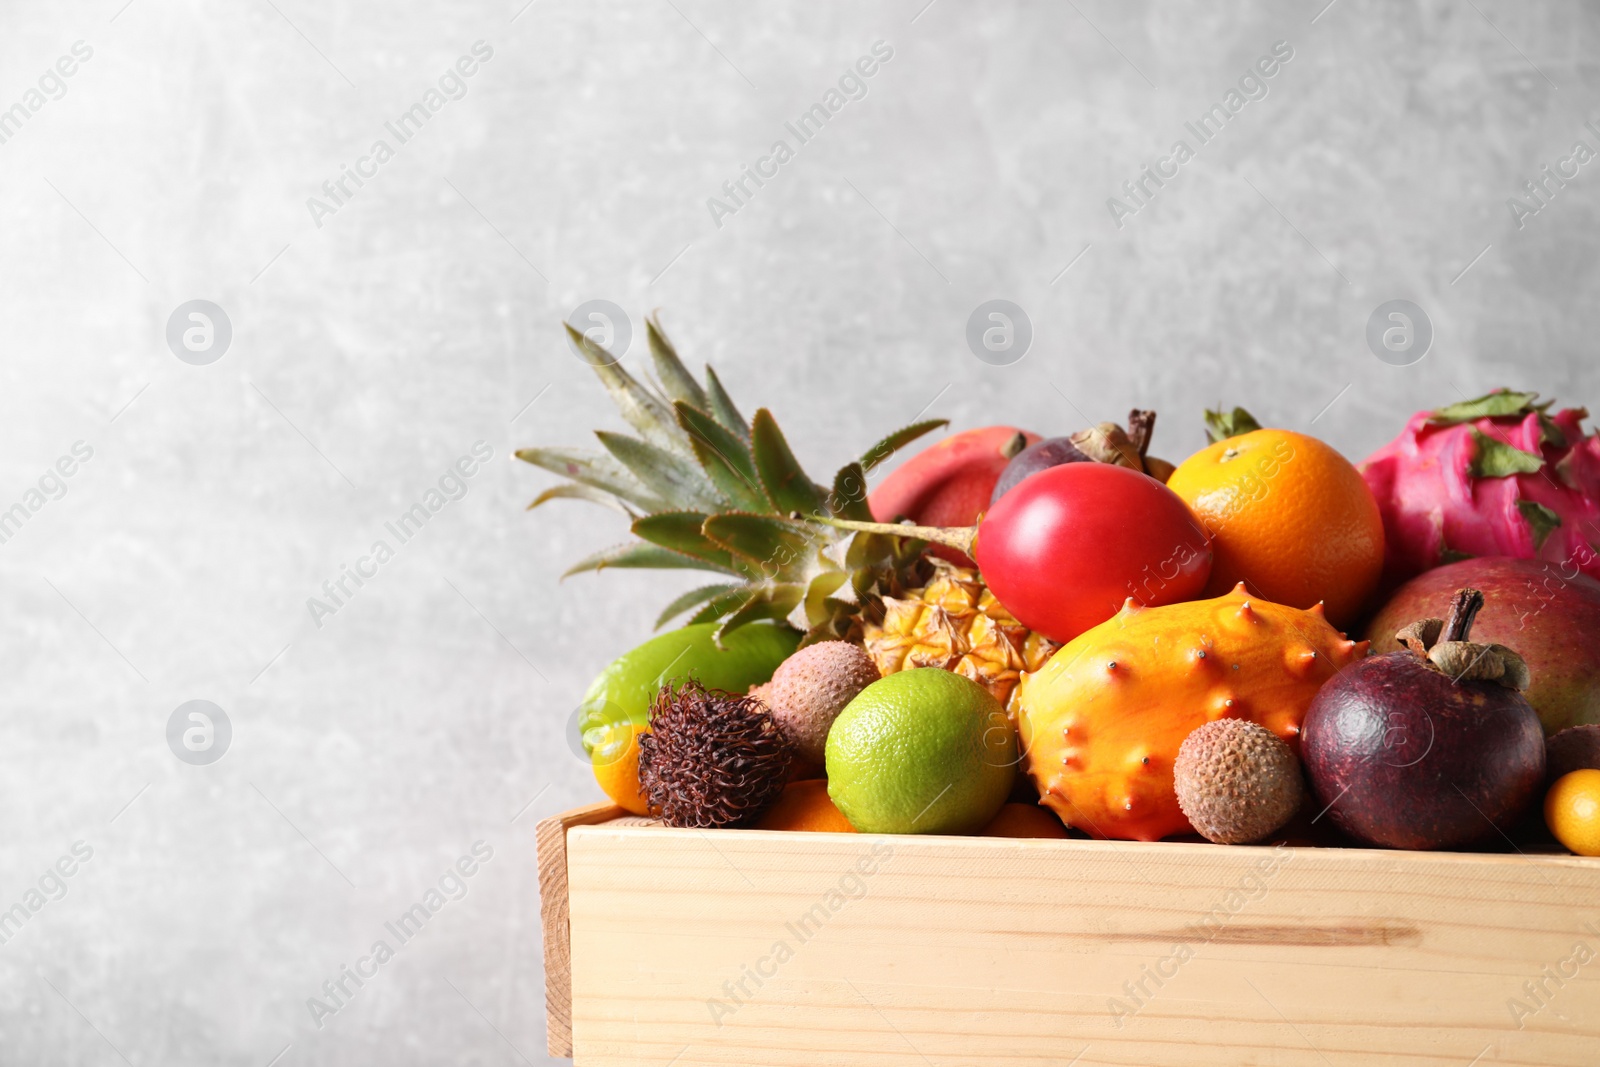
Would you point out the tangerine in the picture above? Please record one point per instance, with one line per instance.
(1023, 820)
(616, 765)
(805, 805)
(1572, 811)
(1290, 517)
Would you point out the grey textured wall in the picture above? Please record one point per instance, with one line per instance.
(375, 343)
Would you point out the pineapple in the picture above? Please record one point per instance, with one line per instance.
(955, 623)
(708, 490)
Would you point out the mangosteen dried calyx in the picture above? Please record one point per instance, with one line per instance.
(1109, 443)
(1103, 443)
(1444, 644)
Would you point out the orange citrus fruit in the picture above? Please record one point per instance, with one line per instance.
(1288, 516)
(1572, 811)
(1023, 820)
(616, 765)
(805, 805)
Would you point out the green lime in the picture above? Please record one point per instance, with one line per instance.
(624, 691)
(923, 751)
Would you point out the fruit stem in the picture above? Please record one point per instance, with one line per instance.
(1464, 608)
(1014, 444)
(1141, 424)
(960, 538)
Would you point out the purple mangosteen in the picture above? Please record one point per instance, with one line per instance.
(1431, 747)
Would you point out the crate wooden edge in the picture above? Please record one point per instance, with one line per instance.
(551, 840)
(555, 915)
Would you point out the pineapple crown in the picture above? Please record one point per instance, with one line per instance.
(707, 490)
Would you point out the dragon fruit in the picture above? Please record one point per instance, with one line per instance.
(1495, 476)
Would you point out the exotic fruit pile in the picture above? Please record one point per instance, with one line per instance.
(1049, 635)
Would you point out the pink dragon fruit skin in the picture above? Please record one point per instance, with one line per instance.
(1436, 509)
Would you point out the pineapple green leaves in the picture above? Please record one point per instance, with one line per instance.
(709, 490)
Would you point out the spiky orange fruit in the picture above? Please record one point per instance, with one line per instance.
(1102, 722)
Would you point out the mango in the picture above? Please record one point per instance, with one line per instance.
(624, 691)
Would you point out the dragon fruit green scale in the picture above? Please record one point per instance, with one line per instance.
(1495, 476)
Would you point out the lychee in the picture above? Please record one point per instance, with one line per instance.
(811, 687)
(1237, 782)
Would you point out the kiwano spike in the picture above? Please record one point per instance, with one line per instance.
(1239, 590)
(1131, 606)
(1318, 610)
(1306, 661)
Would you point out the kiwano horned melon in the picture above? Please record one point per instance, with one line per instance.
(1102, 722)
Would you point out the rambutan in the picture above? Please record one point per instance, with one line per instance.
(711, 758)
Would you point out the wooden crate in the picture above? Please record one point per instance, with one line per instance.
(745, 947)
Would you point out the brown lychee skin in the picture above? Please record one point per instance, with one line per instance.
(1236, 781)
(811, 688)
(799, 768)
(1574, 749)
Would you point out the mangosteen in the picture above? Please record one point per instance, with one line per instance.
(1431, 747)
(1105, 443)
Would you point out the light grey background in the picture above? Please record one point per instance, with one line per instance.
(368, 354)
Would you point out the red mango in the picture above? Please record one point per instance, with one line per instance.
(949, 483)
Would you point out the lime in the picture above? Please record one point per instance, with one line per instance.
(924, 751)
(624, 690)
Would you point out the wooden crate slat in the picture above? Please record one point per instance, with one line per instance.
(965, 950)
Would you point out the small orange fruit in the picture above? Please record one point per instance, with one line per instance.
(1288, 516)
(616, 766)
(1572, 811)
(805, 806)
(1023, 820)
